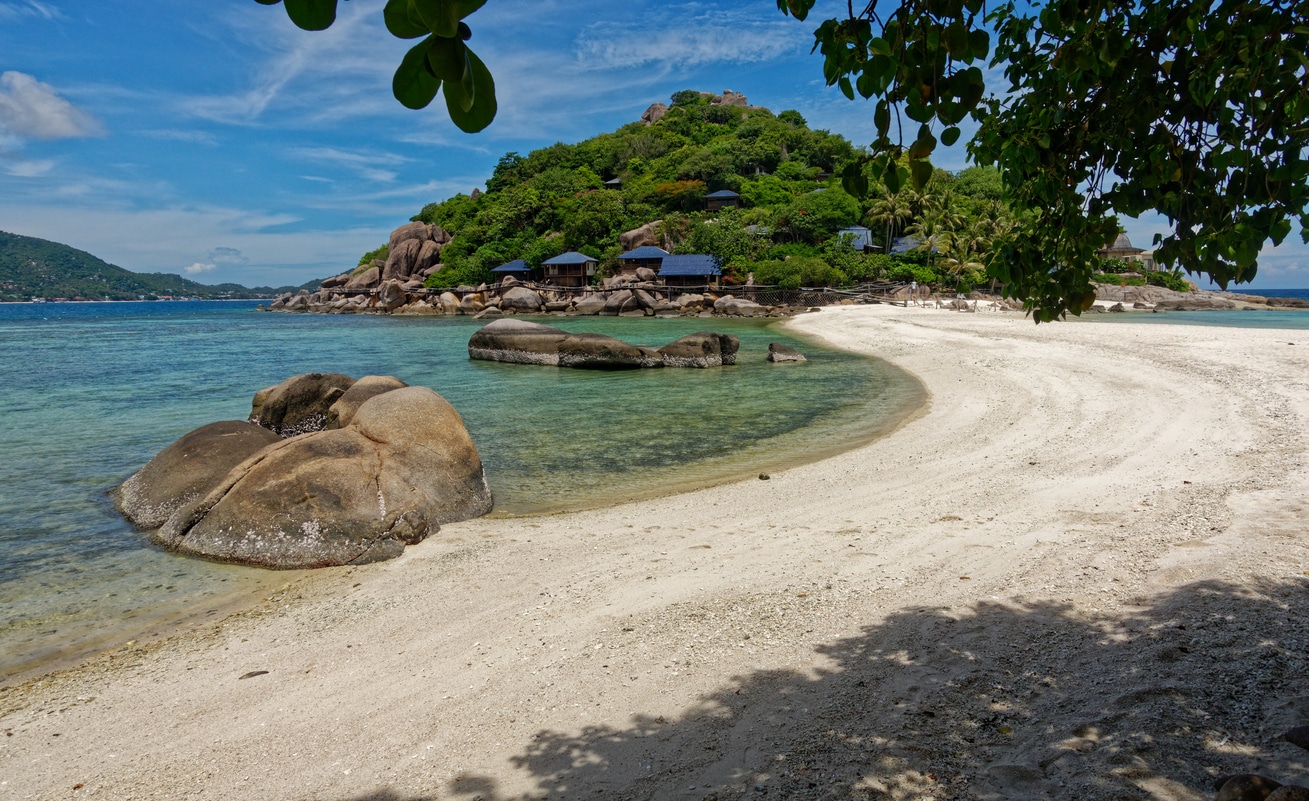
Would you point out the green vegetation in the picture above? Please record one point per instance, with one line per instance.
(37, 268)
(1193, 110)
(562, 198)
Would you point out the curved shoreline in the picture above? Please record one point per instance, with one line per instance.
(1078, 505)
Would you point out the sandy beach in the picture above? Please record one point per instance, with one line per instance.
(1081, 572)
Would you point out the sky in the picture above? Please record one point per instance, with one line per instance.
(218, 141)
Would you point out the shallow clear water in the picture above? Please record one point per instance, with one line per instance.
(91, 391)
(1295, 319)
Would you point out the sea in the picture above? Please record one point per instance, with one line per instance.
(92, 391)
(1294, 319)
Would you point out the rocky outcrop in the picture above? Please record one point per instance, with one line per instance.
(367, 279)
(654, 114)
(781, 353)
(729, 98)
(187, 470)
(299, 404)
(638, 237)
(402, 466)
(705, 349)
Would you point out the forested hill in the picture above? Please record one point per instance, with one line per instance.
(658, 170)
(38, 268)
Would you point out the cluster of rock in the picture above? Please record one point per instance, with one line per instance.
(523, 342)
(327, 471)
(628, 296)
(656, 111)
(1253, 787)
(414, 254)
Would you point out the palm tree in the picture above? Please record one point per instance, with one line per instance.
(893, 211)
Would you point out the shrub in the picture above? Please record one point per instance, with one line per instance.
(380, 253)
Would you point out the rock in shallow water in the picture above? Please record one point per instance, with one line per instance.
(299, 404)
(188, 469)
(402, 466)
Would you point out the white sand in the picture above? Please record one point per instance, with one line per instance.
(1081, 573)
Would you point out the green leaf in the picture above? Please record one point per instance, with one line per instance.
(882, 117)
(846, 88)
(413, 84)
(483, 108)
(923, 145)
(866, 84)
(949, 136)
(448, 58)
(400, 22)
(920, 173)
(268, 2)
(312, 15)
(440, 16)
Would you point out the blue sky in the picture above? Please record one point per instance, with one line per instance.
(218, 141)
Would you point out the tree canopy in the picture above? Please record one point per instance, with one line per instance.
(1195, 109)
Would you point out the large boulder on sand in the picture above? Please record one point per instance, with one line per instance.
(705, 349)
(187, 470)
(739, 306)
(516, 342)
(299, 404)
(404, 465)
(590, 305)
(370, 386)
(520, 298)
(619, 302)
(600, 352)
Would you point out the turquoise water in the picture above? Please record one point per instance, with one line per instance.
(1296, 319)
(93, 390)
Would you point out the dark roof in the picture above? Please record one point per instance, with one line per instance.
(515, 266)
(860, 238)
(1121, 245)
(614, 182)
(571, 257)
(722, 193)
(645, 252)
(692, 264)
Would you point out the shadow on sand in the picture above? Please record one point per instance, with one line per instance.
(999, 701)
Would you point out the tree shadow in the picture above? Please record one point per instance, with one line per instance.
(1007, 702)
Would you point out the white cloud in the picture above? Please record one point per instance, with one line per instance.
(690, 39)
(24, 168)
(30, 9)
(30, 109)
(198, 268)
(373, 166)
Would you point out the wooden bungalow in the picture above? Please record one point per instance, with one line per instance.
(722, 199)
(645, 256)
(516, 268)
(570, 269)
(696, 269)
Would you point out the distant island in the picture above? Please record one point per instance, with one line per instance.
(38, 269)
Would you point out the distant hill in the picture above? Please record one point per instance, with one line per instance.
(38, 268)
